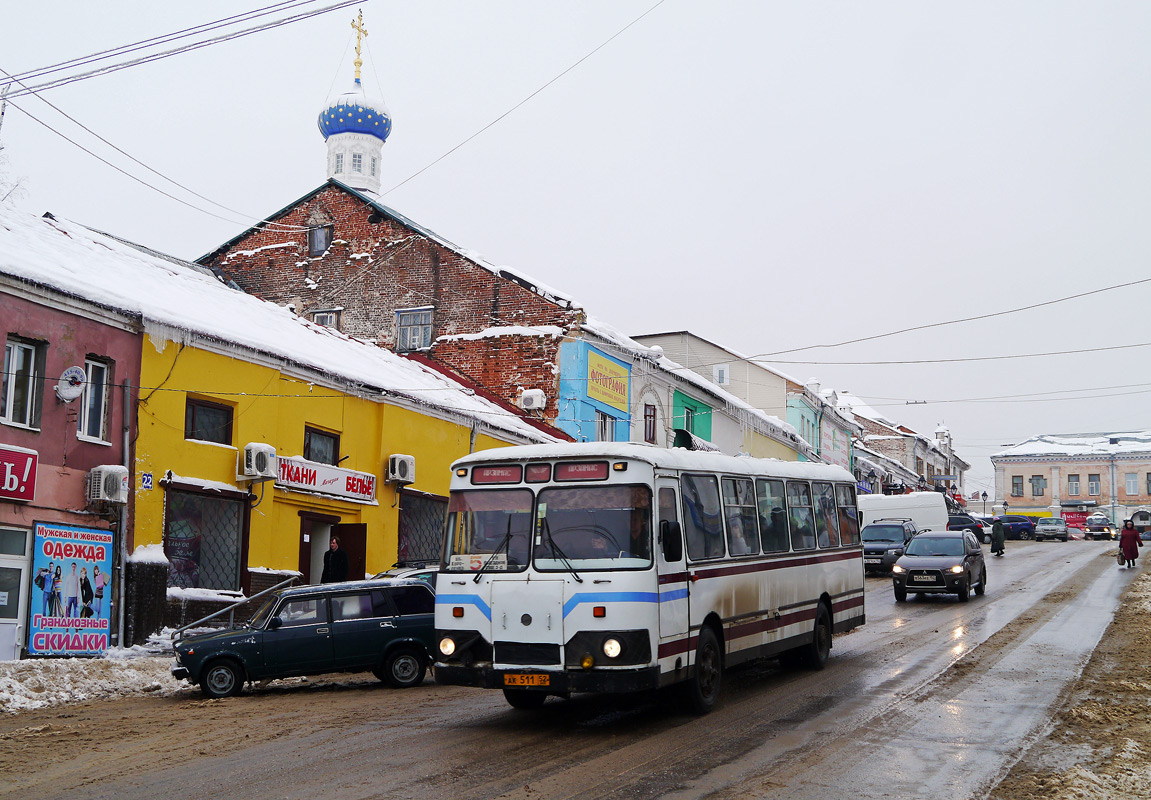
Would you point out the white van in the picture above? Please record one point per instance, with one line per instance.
(926, 509)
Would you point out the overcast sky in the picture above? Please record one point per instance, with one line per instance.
(768, 175)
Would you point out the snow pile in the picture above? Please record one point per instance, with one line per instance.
(40, 683)
(149, 554)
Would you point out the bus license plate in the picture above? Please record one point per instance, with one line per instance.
(924, 578)
(512, 679)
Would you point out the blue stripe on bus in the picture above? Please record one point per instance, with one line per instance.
(674, 594)
(460, 599)
(609, 597)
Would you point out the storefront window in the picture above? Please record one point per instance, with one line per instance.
(203, 540)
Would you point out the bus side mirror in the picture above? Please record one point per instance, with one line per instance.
(671, 540)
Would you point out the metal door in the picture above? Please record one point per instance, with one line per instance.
(13, 591)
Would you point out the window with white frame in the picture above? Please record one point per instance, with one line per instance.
(373, 172)
(339, 163)
(1093, 485)
(329, 319)
(357, 162)
(604, 427)
(721, 373)
(1132, 481)
(1073, 485)
(92, 422)
(413, 329)
(20, 387)
(1038, 482)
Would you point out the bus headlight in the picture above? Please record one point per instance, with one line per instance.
(612, 648)
(447, 646)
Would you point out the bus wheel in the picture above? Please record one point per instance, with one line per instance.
(815, 654)
(703, 687)
(524, 699)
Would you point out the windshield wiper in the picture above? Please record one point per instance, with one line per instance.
(556, 548)
(503, 543)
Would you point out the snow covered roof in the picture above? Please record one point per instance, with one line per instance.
(374, 201)
(180, 301)
(1082, 444)
(861, 409)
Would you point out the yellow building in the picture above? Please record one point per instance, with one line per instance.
(210, 490)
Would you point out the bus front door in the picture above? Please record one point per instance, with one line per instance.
(672, 569)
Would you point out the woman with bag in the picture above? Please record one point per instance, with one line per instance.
(1129, 544)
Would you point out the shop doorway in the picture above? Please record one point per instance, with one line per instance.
(13, 591)
(316, 532)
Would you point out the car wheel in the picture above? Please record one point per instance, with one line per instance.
(707, 678)
(963, 594)
(900, 594)
(524, 699)
(222, 678)
(404, 668)
(979, 590)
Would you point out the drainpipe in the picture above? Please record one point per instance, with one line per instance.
(1114, 488)
(123, 525)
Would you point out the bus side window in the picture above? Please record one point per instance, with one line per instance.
(848, 515)
(670, 535)
(702, 517)
(826, 521)
(772, 516)
(801, 518)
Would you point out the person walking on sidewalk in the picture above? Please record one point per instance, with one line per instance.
(997, 537)
(1129, 543)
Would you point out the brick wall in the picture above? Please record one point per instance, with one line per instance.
(377, 265)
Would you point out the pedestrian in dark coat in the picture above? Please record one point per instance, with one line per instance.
(998, 537)
(1129, 543)
(335, 563)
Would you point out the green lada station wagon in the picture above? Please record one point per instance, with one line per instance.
(383, 626)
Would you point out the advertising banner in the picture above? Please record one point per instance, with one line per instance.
(607, 381)
(70, 612)
(296, 473)
(17, 473)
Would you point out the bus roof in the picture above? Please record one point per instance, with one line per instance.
(661, 458)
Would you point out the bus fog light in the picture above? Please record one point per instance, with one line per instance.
(447, 646)
(587, 662)
(612, 648)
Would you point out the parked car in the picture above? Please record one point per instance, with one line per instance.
(412, 571)
(1051, 528)
(385, 626)
(883, 542)
(944, 562)
(985, 535)
(964, 522)
(1098, 526)
(1016, 526)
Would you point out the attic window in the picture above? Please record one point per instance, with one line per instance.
(329, 319)
(319, 240)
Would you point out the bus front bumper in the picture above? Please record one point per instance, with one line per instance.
(558, 682)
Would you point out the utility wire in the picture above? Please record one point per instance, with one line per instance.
(960, 360)
(184, 48)
(615, 35)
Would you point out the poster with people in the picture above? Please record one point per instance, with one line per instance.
(71, 590)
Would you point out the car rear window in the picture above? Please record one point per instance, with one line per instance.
(412, 599)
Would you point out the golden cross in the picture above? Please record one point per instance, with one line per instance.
(361, 31)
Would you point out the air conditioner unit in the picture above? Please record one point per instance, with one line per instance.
(401, 469)
(533, 400)
(260, 463)
(108, 483)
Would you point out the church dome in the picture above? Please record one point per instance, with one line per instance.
(355, 112)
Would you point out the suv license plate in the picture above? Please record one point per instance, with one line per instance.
(512, 679)
(873, 561)
(923, 578)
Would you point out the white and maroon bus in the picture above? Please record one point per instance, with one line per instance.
(618, 567)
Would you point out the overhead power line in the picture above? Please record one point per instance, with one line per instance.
(960, 360)
(147, 59)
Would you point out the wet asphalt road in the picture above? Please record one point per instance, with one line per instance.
(930, 698)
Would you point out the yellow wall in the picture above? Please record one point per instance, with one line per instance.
(272, 408)
(760, 446)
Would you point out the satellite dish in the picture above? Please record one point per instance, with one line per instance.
(71, 384)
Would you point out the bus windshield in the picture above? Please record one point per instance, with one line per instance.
(594, 528)
(488, 530)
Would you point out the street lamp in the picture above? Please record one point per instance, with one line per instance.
(985, 504)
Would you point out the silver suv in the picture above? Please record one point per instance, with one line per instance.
(1051, 528)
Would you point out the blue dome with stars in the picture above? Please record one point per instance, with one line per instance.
(355, 112)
